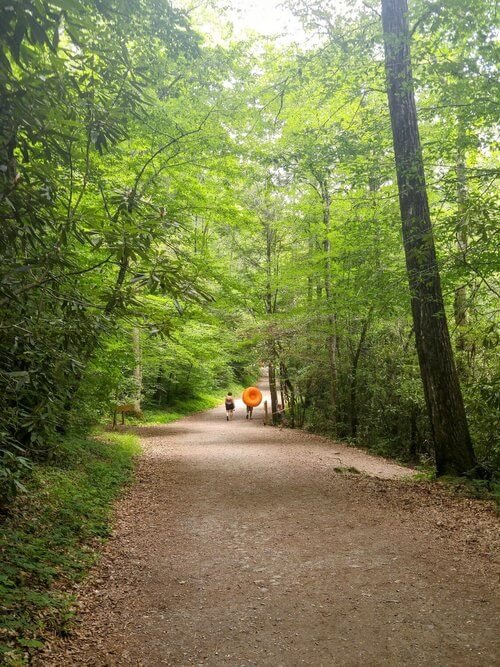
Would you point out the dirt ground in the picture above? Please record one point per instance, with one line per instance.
(241, 545)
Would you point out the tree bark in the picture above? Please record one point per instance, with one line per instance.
(453, 447)
(331, 340)
(412, 450)
(136, 339)
(272, 389)
(310, 279)
(270, 308)
(354, 377)
(289, 393)
(460, 302)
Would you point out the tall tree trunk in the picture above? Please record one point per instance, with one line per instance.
(159, 388)
(412, 450)
(289, 393)
(460, 302)
(453, 447)
(354, 377)
(136, 341)
(272, 387)
(331, 340)
(310, 280)
(270, 306)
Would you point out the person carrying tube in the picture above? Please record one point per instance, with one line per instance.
(251, 397)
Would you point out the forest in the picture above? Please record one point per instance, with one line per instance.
(178, 209)
(183, 206)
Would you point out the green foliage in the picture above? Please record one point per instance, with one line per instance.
(338, 323)
(83, 234)
(48, 540)
(13, 469)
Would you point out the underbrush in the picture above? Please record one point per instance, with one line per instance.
(479, 489)
(48, 541)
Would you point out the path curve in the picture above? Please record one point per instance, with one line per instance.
(241, 545)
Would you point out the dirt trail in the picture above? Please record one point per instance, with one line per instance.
(240, 545)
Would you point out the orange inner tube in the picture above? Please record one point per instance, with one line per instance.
(252, 397)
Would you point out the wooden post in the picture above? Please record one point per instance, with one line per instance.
(265, 413)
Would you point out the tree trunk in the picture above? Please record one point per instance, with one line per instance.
(282, 391)
(460, 302)
(453, 447)
(270, 307)
(354, 378)
(331, 340)
(159, 388)
(412, 450)
(272, 389)
(136, 341)
(310, 279)
(287, 394)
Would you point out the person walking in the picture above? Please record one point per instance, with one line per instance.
(229, 402)
(249, 411)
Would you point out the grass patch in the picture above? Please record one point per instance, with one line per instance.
(48, 541)
(424, 474)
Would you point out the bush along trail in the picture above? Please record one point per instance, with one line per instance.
(53, 535)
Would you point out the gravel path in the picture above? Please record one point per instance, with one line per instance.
(241, 545)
